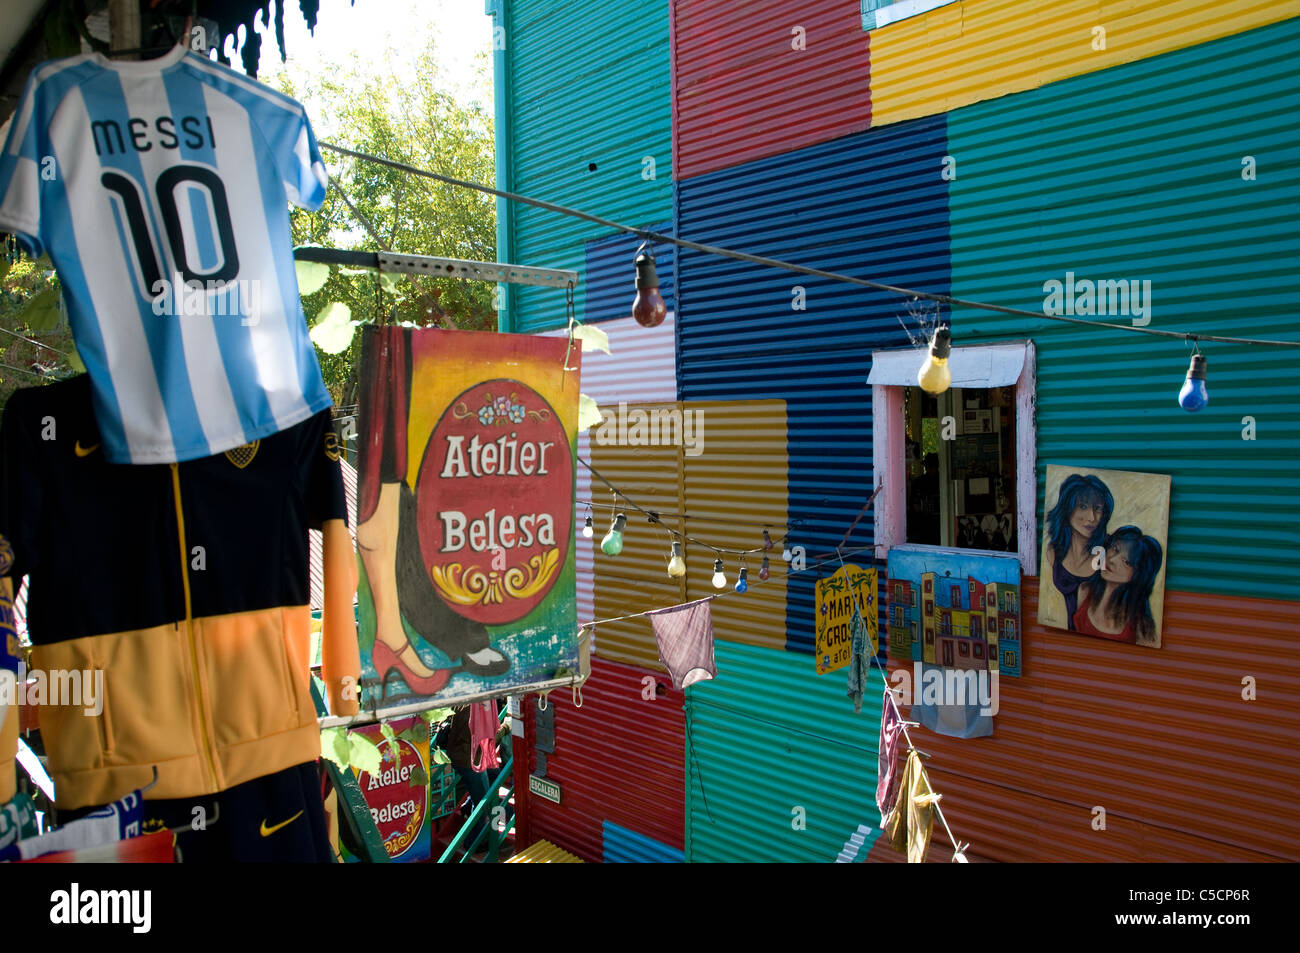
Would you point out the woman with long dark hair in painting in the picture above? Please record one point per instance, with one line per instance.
(1074, 526)
(1116, 603)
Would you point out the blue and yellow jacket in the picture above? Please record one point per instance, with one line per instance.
(187, 585)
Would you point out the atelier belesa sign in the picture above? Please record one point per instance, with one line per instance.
(465, 512)
(495, 494)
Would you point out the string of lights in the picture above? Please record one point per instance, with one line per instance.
(650, 236)
(612, 543)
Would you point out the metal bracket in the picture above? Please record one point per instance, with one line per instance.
(440, 267)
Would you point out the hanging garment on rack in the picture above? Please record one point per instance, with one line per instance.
(10, 656)
(120, 820)
(891, 729)
(685, 637)
(859, 659)
(909, 824)
(959, 720)
(185, 587)
(484, 721)
(160, 190)
(17, 821)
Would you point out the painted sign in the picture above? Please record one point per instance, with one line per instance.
(544, 788)
(465, 513)
(1104, 553)
(955, 609)
(398, 793)
(835, 599)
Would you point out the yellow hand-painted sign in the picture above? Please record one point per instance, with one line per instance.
(834, 613)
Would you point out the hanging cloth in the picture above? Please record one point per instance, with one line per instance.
(909, 824)
(685, 637)
(483, 724)
(859, 660)
(891, 729)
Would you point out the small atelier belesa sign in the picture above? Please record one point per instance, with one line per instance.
(544, 788)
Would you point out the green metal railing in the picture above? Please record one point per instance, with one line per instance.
(482, 811)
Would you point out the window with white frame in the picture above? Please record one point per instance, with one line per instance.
(958, 470)
(878, 13)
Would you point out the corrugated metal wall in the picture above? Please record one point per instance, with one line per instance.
(611, 275)
(1185, 768)
(1157, 195)
(779, 766)
(589, 102)
(623, 846)
(871, 205)
(640, 367)
(976, 50)
(617, 758)
(764, 77)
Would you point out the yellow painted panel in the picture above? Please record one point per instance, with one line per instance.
(740, 482)
(644, 462)
(977, 50)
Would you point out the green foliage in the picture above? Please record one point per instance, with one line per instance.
(35, 347)
(411, 119)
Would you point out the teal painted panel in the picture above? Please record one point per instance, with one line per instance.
(1136, 173)
(589, 101)
(767, 737)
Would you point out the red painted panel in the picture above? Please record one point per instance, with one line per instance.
(618, 758)
(741, 90)
(1162, 739)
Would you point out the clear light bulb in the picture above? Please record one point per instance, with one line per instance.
(1194, 396)
(676, 565)
(719, 577)
(648, 308)
(612, 544)
(934, 375)
(587, 531)
(786, 554)
(742, 583)
(764, 570)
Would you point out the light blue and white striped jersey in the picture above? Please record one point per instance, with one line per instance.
(160, 190)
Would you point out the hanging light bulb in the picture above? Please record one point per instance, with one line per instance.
(648, 308)
(587, 531)
(764, 570)
(1194, 396)
(676, 565)
(719, 577)
(786, 554)
(742, 584)
(934, 375)
(612, 544)
(767, 540)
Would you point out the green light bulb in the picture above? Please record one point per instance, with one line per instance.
(612, 544)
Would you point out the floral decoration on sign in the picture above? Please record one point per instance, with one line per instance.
(500, 411)
(472, 586)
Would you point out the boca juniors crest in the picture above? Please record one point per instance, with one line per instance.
(465, 512)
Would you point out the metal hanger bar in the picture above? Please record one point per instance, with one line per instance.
(414, 708)
(444, 267)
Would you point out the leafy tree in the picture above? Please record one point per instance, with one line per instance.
(35, 344)
(409, 119)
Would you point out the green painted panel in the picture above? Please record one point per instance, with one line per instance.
(1136, 173)
(767, 737)
(588, 88)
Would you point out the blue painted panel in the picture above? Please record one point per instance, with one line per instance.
(611, 274)
(623, 846)
(872, 205)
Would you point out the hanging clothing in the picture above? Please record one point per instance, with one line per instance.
(194, 608)
(959, 720)
(117, 821)
(909, 824)
(483, 723)
(891, 729)
(17, 821)
(184, 309)
(859, 659)
(685, 637)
